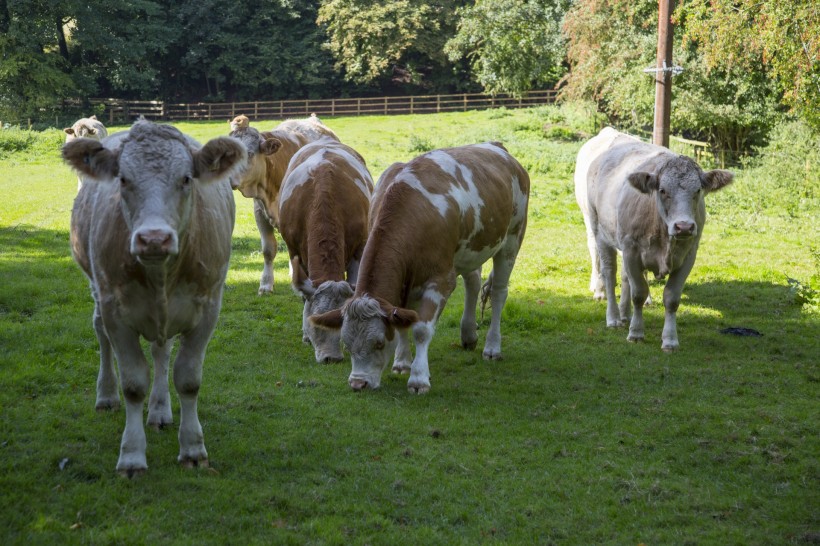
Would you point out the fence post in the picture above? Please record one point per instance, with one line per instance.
(438, 103)
(358, 107)
(332, 107)
(255, 110)
(465, 102)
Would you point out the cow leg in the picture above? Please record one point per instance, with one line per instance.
(108, 389)
(609, 266)
(268, 246)
(638, 291)
(499, 280)
(671, 301)
(596, 281)
(135, 377)
(159, 403)
(432, 304)
(187, 380)
(625, 307)
(403, 358)
(472, 286)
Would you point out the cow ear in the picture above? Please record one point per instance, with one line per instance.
(93, 117)
(644, 182)
(302, 285)
(219, 158)
(402, 318)
(270, 145)
(69, 130)
(92, 131)
(332, 320)
(89, 157)
(717, 179)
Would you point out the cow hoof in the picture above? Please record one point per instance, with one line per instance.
(670, 348)
(634, 338)
(470, 345)
(193, 463)
(400, 369)
(492, 356)
(599, 296)
(159, 424)
(107, 404)
(418, 389)
(131, 473)
(264, 290)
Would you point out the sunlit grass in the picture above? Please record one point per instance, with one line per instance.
(576, 437)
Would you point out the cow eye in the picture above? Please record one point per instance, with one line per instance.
(185, 183)
(124, 183)
(379, 345)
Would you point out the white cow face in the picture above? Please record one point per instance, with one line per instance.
(258, 146)
(679, 189)
(156, 169)
(368, 329)
(330, 295)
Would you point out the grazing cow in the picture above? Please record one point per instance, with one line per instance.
(85, 128)
(648, 203)
(239, 122)
(151, 228)
(323, 218)
(442, 214)
(269, 153)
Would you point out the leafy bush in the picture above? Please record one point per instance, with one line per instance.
(14, 140)
(420, 144)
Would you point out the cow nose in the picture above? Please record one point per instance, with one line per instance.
(154, 242)
(329, 359)
(357, 384)
(684, 228)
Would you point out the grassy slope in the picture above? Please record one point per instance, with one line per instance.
(576, 437)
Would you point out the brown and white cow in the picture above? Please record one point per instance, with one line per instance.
(442, 214)
(269, 153)
(647, 202)
(151, 228)
(323, 219)
(89, 127)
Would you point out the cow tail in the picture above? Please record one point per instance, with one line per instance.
(486, 292)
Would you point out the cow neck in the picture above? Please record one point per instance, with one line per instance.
(325, 240)
(383, 271)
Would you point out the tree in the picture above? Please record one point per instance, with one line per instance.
(742, 35)
(32, 71)
(402, 40)
(612, 41)
(513, 46)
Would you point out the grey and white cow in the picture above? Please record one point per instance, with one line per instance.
(647, 202)
(151, 228)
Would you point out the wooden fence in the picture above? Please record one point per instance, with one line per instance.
(123, 110)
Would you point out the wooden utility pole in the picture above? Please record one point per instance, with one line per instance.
(663, 74)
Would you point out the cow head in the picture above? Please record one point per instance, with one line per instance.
(157, 170)
(368, 327)
(239, 122)
(679, 186)
(82, 128)
(327, 296)
(258, 145)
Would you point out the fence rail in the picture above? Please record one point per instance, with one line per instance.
(125, 110)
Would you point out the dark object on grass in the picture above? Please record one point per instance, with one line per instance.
(739, 331)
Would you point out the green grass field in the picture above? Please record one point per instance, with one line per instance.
(576, 437)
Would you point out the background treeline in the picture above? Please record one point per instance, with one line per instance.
(748, 64)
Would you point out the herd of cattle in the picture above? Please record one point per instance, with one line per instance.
(152, 223)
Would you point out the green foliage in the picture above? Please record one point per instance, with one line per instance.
(420, 144)
(398, 39)
(780, 36)
(576, 437)
(24, 144)
(512, 46)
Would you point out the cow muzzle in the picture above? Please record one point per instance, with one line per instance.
(361, 383)
(684, 229)
(154, 244)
